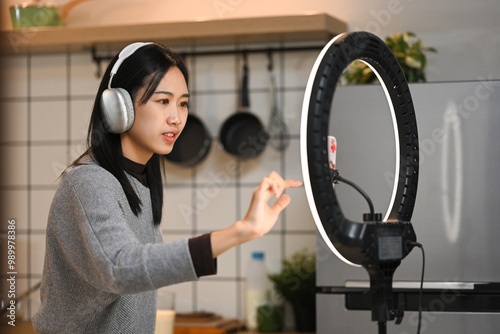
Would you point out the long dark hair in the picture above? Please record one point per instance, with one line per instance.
(144, 68)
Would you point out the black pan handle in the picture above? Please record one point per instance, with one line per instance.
(245, 101)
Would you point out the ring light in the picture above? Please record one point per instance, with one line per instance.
(378, 246)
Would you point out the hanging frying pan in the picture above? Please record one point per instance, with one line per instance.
(243, 134)
(193, 144)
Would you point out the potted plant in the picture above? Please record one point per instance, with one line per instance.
(409, 52)
(296, 282)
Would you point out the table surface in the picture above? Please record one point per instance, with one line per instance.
(22, 327)
(25, 327)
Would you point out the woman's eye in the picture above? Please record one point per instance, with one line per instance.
(164, 101)
(184, 104)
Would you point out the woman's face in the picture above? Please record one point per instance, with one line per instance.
(159, 122)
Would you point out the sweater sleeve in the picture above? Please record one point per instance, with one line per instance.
(90, 223)
(201, 253)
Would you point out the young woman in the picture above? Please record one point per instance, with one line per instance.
(105, 257)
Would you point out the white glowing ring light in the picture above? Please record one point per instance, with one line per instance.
(325, 74)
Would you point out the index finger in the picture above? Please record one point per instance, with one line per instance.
(292, 183)
(280, 184)
(285, 184)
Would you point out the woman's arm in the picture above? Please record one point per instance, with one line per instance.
(93, 232)
(260, 217)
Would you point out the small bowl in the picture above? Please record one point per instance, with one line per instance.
(34, 15)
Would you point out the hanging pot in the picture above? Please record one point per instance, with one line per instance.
(40, 13)
(193, 144)
(243, 134)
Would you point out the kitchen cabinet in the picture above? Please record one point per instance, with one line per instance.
(210, 32)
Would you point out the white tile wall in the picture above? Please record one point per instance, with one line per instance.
(253, 171)
(215, 73)
(48, 75)
(219, 168)
(47, 105)
(293, 99)
(219, 297)
(36, 255)
(79, 118)
(49, 120)
(184, 301)
(40, 203)
(83, 81)
(47, 163)
(17, 201)
(178, 209)
(16, 168)
(15, 69)
(14, 113)
(215, 207)
(22, 251)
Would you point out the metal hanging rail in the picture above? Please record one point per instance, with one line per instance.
(98, 59)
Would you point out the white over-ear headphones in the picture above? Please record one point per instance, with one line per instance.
(116, 103)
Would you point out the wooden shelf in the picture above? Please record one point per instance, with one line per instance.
(215, 32)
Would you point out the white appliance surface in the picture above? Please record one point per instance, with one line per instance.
(456, 211)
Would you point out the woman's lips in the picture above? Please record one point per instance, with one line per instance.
(169, 137)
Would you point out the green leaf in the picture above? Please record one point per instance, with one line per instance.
(296, 282)
(413, 62)
(409, 52)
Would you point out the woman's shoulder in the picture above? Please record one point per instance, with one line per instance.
(87, 172)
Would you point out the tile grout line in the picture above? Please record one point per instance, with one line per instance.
(29, 188)
(283, 158)
(238, 269)
(68, 108)
(194, 218)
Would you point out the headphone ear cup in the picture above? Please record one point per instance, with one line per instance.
(117, 110)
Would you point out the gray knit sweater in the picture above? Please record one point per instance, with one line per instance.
(103, 264)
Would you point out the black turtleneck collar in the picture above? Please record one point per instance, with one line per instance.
(137, 170)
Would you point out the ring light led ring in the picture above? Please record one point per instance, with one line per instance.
(325, 74)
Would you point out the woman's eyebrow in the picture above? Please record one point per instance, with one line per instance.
(169, 93)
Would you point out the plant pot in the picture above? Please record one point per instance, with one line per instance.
(270, 318)
(305, 318)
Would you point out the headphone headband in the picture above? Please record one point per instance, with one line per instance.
(124, 54)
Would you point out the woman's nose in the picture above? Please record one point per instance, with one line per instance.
(173, 116)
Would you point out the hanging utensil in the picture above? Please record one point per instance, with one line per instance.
(193, 144)
(243, 134)
(277, 127)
